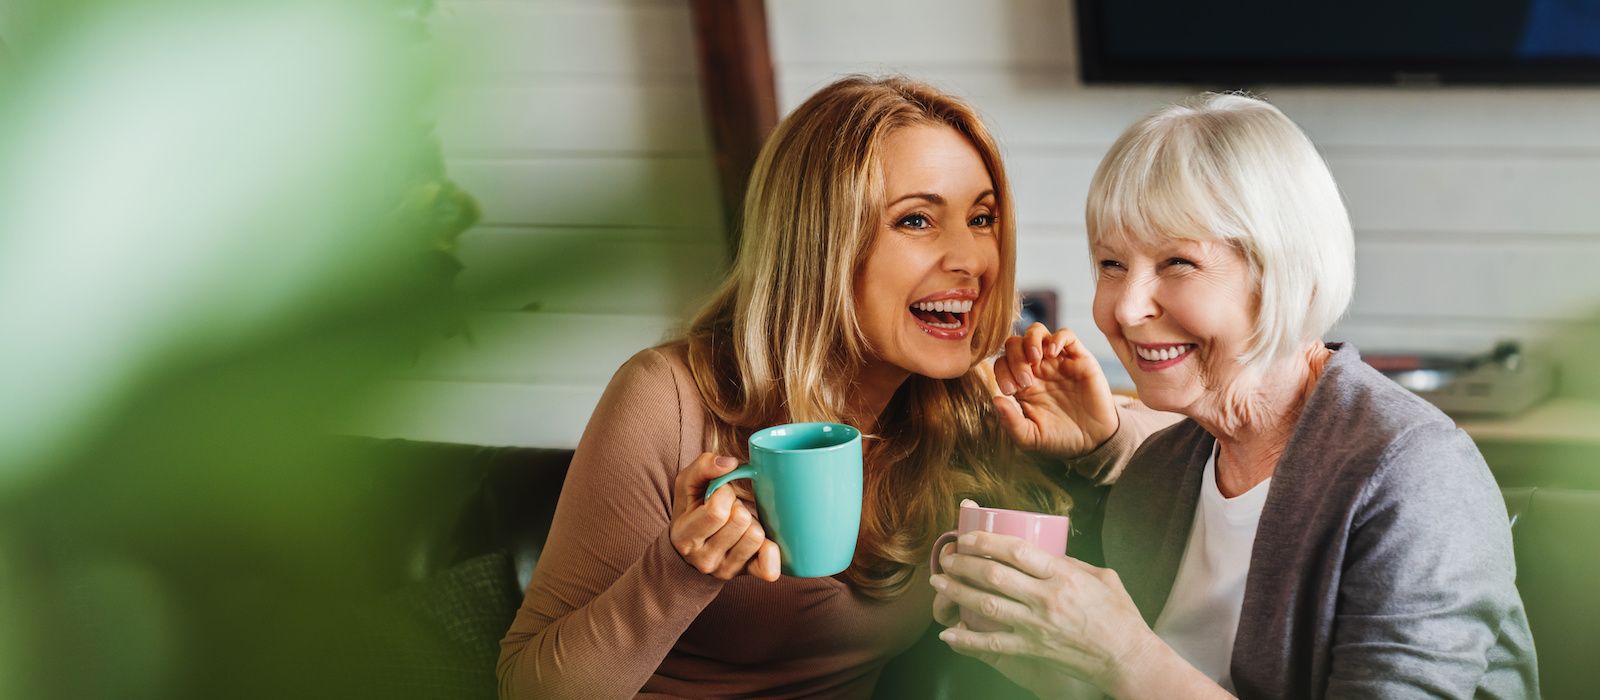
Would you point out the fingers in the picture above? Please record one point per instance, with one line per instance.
(719, 543)
(748, 545)
(990, 576)
(1013, 419)
(1018, 374)
(690, 486)
(1015, 551)
(692, 529)
(1019, 366)
(995, 607)
(945, 610)
(1034, 341)
(984, 645)
(766, 565)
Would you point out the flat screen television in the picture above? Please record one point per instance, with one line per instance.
(1243, 42)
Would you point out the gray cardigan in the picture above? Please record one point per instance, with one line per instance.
(1382, 565)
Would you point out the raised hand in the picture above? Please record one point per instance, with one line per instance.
(1053, 397)
(719, 536)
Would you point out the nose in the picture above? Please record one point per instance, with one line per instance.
(1136, 302)
(964, 254)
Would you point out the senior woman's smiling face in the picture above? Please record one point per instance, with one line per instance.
(1178, 313)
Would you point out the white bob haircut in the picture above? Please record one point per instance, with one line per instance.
(1232, 168)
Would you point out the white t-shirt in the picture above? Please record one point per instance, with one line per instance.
(1201, 617)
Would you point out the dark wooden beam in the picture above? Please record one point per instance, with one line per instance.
(737, 91)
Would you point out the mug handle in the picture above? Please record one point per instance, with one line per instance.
(744, 471)
(938, 544)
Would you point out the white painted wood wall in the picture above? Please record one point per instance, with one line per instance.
(1477, 210)
(577, 125)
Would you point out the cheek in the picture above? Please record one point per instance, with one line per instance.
(1104, 319)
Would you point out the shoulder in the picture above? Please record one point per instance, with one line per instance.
(659, 374)
(1356, 401)
(1358, 413)
(1407, 455)
(653, 397)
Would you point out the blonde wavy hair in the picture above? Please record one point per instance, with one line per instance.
(776, 342)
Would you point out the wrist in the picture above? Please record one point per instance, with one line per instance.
(1140, 663)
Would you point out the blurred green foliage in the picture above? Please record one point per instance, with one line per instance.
(222, 222)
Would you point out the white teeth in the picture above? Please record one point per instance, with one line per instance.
(948, 306)
(1163, 354)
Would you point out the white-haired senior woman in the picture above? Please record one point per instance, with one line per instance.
(1311, 529)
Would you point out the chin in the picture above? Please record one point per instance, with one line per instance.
(952, 368)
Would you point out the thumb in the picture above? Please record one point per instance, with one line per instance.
(694, 478)
(1012, 418)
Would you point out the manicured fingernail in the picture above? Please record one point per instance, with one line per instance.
(946, 635)
(968, 539)
(944, 560)
(727, 462)
(937, 582)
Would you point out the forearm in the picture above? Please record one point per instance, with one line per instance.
(1160, 672)
(1136, 422)
(609, 646)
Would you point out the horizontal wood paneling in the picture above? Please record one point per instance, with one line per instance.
(552, 348)
(506, 40)
(921, 33)
(637, 191)
(588, 271)
(555, 116)
(480, 413)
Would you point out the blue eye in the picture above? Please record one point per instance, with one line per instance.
(914, 221)
(1179, 261)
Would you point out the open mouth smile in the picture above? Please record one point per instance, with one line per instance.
(947, 315)
(1158, 357)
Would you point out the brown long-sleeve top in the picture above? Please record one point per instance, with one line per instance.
(613, 611)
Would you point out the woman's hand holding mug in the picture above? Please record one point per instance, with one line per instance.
(1053, 396)
(719, 536)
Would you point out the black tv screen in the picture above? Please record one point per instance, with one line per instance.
(1232, 42)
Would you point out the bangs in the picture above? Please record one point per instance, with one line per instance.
(1159, 184)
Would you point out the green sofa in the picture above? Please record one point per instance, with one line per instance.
(480, 516)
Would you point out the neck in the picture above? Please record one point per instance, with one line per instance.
(1253, 424)
(874, 386)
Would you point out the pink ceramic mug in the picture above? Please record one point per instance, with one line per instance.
(1047, 532)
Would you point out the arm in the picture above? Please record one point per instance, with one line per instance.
(1429, 580)
(610, 595)
(1135, 422)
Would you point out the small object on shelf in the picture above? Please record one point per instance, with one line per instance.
(1502, 382)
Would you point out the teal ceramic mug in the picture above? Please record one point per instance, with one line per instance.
(807, 479)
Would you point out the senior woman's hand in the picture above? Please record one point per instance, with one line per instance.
(1075, 619)
(1053, 396)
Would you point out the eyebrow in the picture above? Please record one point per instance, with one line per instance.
(936, 199)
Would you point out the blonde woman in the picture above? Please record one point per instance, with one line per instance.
(875, 270)
(1311, 529)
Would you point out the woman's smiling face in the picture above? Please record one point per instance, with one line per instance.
(934, 257)
(1178, 313)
